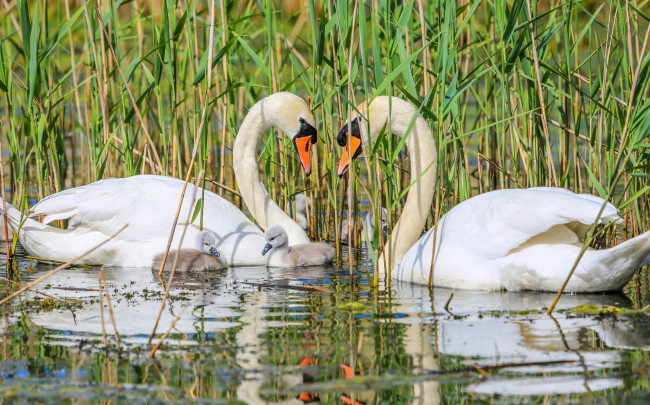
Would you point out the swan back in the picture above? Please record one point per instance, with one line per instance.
(291, 114)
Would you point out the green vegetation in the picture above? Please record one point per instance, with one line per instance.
(518, 94)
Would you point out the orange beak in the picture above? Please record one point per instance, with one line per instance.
(303, 146)
(350, 150)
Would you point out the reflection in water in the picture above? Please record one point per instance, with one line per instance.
(252, 334)
(545, 386)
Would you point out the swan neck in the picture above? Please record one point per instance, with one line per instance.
(404, 120)
(262, 207)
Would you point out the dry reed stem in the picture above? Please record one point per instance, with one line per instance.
(6, 280)
(5, 225)
(433, 253)
(620, 161)
(448, 302)
(173, 270)
(101, 308)
(136, 109)
(290, 287)
(218, 184)
(349, 142)
(164, 336)
(196, 142)
(8, 8)
(540, 93)
(63, 266)
(102, 275)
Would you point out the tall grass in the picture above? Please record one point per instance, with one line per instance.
(518, 94)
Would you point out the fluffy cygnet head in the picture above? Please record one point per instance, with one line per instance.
(300, 204)
(369, 222)
(275, 237)
(206, 242)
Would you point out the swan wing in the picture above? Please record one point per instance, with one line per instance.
(500, 221)
(148, 203)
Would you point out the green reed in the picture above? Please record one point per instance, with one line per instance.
(517, 93)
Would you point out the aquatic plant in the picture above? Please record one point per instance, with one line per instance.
(519, 94)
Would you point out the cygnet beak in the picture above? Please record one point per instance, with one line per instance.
(267, 247)
(214, 251)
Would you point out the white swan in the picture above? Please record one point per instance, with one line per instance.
(368, 227)
(204, 256)
(506, 239)
(148, 204)
(304, 254)
(300, 207)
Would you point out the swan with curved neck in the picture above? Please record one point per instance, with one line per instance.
(403, 117)
(148, 203)
(515, 240)
(292, 116)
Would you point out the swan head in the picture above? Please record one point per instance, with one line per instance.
(206, 242)
(384, 220)
(275, 237)
(358, 127)
(301, 202)
(292, 115)
(354, 149)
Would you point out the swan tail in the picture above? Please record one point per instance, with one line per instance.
(611, 269)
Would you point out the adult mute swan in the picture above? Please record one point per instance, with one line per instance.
(304, 254)
(506, 239)
(148, 204)
(204, 256)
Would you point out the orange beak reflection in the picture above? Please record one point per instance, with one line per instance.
(349, 153)
(303, 146)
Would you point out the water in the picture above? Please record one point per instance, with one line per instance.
(255, 335)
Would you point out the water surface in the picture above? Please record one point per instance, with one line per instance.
(255, 335)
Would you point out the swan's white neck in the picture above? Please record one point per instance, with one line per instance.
(266, 212)
(422, 150)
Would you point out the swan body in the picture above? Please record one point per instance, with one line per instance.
(280, 254)
(523, 240)
(148, 204)
(368, 227)
(300, 208)
(502, 240)
(205, 256)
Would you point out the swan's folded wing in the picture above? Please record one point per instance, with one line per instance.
(495, 223)
(65, 204)
(147, 203)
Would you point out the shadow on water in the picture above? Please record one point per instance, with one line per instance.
(260, 335)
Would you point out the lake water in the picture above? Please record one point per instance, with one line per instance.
(256, 335)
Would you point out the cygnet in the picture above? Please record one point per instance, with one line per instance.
(300, 208)
(368, 229)
(204, 257)
(305, 254)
